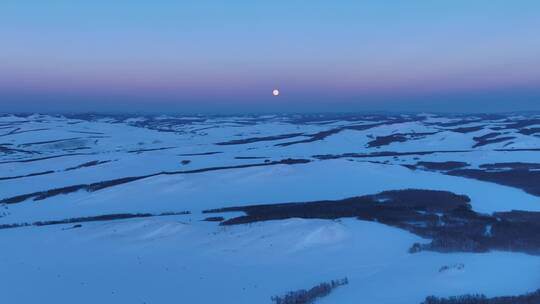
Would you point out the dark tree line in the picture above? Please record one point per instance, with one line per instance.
(97, 218)
(530, 298)
(309, 296)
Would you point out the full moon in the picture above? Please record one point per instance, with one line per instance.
(275, 92)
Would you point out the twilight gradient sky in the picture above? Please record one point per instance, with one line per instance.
(227, 56)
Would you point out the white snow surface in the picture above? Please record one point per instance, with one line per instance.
(183, 259)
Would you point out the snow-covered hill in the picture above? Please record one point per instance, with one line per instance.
(113, 209)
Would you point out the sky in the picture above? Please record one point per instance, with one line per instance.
(215, 56)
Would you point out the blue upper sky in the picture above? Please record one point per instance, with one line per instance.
(227, 56)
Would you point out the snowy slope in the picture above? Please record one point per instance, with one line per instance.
(54, 168)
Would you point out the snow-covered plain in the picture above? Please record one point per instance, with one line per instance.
(205, 162)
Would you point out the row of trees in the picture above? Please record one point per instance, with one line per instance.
(529, 298)
(309, 296)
